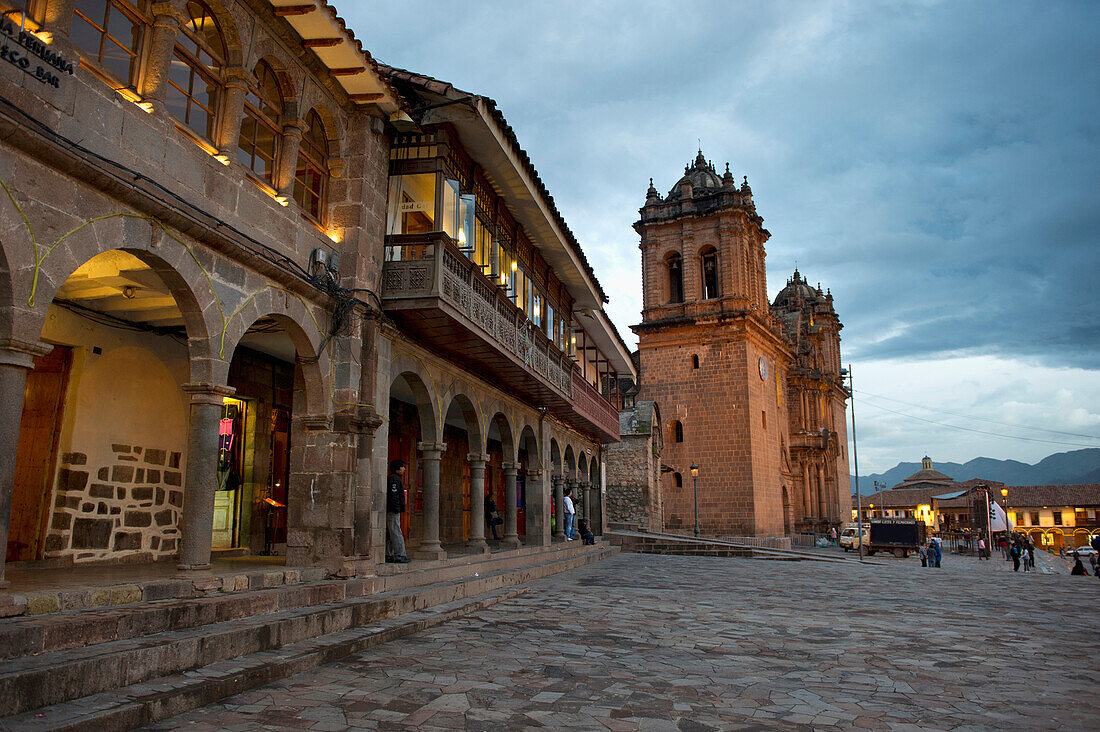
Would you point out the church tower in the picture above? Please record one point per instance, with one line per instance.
(714, 358)
(818, 407)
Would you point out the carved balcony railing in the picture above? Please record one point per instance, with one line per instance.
(428, 266)
(592, 405)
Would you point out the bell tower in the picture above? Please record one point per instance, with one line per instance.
(712, 356)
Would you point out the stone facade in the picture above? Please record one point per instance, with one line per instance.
(726, 366)
(633, 470)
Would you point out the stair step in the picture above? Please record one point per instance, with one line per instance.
(146, 703)
(30, 682)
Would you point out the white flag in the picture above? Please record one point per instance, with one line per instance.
(997, 518)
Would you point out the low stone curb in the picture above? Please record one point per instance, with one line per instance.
(147, 703)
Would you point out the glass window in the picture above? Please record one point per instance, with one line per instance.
(449, 215)
(1035, 518)
(111, 33)
(411, 204)
(258, 144)
(24, 13)
(311, 172)
(551, 323)
(1057, 518)
(483, 247)
(194, 79)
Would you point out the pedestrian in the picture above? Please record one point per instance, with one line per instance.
(1015, 552)
(491, 518)
(981, 549)
(395, 506)
(939, 552)
(1031, 553)
(923, 555)
(1078, 568)
(570, 514)
(832, 536)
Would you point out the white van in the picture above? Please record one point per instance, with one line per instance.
(849, 539)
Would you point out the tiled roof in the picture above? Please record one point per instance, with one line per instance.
(1022, 496)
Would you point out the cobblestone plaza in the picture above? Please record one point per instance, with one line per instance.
(694, 643)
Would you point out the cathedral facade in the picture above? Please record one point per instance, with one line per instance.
(750, 391)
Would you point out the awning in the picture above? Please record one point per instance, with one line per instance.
(949, 496)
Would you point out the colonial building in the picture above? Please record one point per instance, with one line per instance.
(243, 266)
(1053, 516)
(750, 392)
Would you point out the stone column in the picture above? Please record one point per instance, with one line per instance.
(576, 486)
(16, 359)
(559, 508)
(369, 423)
(166, 26)
(58, 16)
(588, 512)
(538, 508)
(430, 548)
(511, 535)
(227, 137)
(201, 479)
(287, 162)
(822, 511)
(477, 541)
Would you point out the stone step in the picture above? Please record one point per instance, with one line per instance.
(145, 703)
(58, 631)
(30, 682)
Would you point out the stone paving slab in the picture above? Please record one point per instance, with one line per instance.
(644, 642)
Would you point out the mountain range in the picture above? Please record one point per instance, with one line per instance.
(1063, 468)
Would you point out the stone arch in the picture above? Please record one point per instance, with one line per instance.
(332, 128)
(299, 323)
(470, 415)
(145, 238)
(570, 463)
(582, 466)
(287, 86)
(555, 457)
(530, 444)
(710, 273)
(507, 439)
(593, 472)
(425, 404)
(231, 35)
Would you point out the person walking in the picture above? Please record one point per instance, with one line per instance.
(570, 514)
(923, 555)
(395, 506)
(832, 536)
(939, 552)
(981, 549)
(1031, 553)
(1015, 552)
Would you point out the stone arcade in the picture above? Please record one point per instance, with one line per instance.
(243, 266)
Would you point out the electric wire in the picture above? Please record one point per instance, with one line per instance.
(971, 429)
(980, 419)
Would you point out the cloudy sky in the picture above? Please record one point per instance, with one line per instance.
(935, 164)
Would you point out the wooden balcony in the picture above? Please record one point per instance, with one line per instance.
(443, 300)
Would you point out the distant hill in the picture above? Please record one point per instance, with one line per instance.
(1063, 468)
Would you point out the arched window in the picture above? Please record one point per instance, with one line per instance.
(258, 144)
(194, 81)
(710, 273)
(677, 431)
(695, 361)
(111, 33)
(675, 278)
(679, 479)
(311, 173)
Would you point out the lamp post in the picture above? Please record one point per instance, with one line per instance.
(695, 490)
(855, 460)
(1008, 529)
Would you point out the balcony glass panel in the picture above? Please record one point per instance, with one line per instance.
(411, 204)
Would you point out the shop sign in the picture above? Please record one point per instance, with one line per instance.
(21, 49)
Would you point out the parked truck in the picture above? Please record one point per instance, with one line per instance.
(897, 535)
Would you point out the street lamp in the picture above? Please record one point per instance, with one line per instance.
(1008, 529)
(872, 507)
(855, 457)
(695, 490)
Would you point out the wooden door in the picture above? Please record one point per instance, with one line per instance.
(36, 455)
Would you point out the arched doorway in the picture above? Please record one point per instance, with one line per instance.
(500, 446)
(557, 527)
(104, 431)
(412, 422)
(528, 496)
(462, 435)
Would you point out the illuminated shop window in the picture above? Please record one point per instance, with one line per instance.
(411, 204)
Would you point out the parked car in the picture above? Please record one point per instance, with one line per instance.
(1081, 552)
